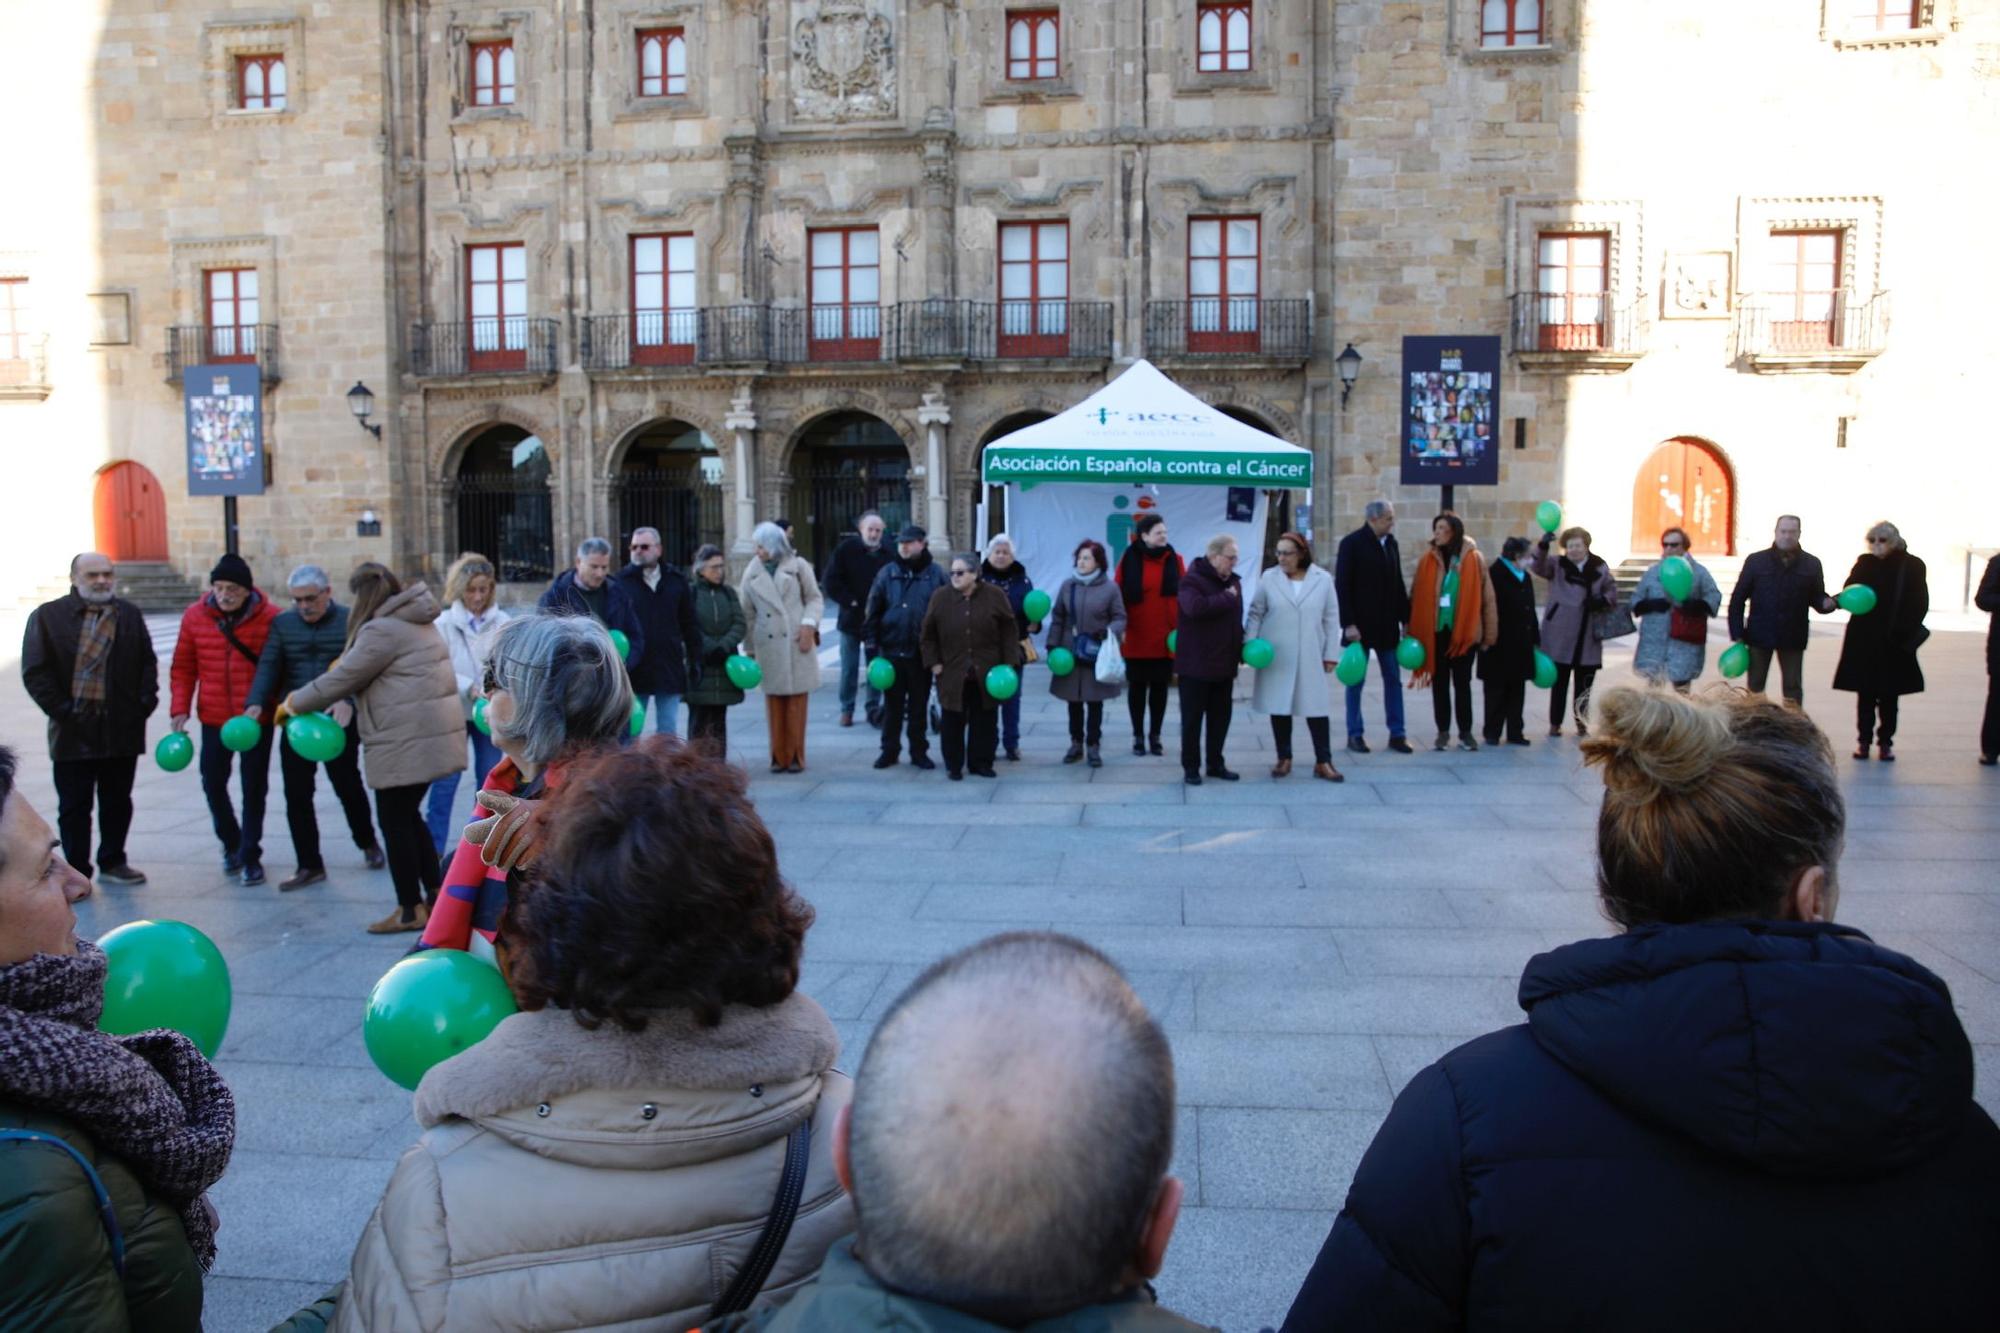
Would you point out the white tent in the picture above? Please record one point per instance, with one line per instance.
(1140, 444)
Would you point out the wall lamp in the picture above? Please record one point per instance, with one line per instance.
(362, 403)
(1348, 363)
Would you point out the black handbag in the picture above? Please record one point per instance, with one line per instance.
(1085, 646)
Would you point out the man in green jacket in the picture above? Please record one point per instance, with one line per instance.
(1007, 1151)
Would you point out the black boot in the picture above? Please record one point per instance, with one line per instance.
(1075, 753)
(1138, 743)
(1096, 759)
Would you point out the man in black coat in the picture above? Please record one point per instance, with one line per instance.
(664, 605)
(1780, 585)
(88, 663)
(589, 590)
(893, 625)
(1374, 607)
(849, 574)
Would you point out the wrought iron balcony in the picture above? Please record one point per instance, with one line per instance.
(1575, 331)
(1058, 330)
(515, 345)
(1233, 327)
(227, 344)
(1838, 331)
(721, 335)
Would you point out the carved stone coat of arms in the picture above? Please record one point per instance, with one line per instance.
(843, 62)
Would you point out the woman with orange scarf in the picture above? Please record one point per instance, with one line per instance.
(1453, 615)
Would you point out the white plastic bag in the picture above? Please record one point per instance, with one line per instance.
(1110, 663)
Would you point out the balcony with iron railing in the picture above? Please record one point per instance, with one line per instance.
(223, 344)
(717, 335)
(1572, 331)
(513, 345)
(24, 366)
(1833, 331)
(1232, 328)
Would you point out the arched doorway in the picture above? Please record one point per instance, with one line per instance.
(131, 514)
(996, 496)
(504, 510)
(671, 479)
(844, 465)
(1278, 515)
(1684, 484)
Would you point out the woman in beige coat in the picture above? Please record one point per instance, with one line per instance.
(397, 672)
(609, 1156)
(782, 607)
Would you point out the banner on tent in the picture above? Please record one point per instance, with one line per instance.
(1451, 418)
(1027, 467)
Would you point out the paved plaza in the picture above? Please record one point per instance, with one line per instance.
(1307, 947)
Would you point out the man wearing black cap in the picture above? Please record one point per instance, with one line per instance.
(215, 662)
(893, 626)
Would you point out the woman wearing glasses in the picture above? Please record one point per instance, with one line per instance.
(1673, 636)
(968, 630)
(1878, 658)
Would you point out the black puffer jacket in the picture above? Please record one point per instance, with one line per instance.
(1746, 1125)
(297, 654)
(117, 730)
(894, 623)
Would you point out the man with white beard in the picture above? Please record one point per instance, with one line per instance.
(88, 663)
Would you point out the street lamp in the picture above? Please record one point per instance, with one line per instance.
(1348, 363)
(362, 403)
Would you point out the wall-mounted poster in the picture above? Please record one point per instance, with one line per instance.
(225, 429)
(1450, 432)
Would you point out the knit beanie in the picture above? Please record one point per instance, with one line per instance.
(232, 568)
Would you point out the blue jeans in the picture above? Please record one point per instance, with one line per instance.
(444, 792)
(1010, 722)
(666, 713)
(1392, 696)
(851, 679)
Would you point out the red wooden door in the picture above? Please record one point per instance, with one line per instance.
(1684, 484)
(131, 514)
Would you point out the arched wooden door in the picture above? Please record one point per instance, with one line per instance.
(131, 514)
(1684, 484)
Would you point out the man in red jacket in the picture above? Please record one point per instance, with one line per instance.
(215, 660)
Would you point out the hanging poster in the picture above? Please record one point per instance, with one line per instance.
(1450, 429)
(225, 429)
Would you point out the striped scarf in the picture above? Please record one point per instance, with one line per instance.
(91, 683)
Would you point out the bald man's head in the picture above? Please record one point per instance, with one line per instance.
(1012, 1125)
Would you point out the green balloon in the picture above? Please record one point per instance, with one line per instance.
(638, 722)
(1003, 682)
(1548, 515)
(1735, 660)
(1352, 668)
(1410, 653)
(1061, 661)
(479, 717)
(1173, 640)
(1857, 599)
(241, 733)
(165, 974)
(174, 752)
(1036, 605)
(1677, 577)
(881, 673)
(622, 644)
(316, 736)
(743, 672)
(1545, 670)
(1258, 653)
(428, 1008)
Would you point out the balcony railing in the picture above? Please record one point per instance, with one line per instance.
(1230, 327)
(1834, 326)
(1571, 324)
(233, 344)
(1066, 330)
(721, 335)
(515, 345)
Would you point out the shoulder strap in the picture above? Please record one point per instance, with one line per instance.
(777, 1227)
(229, 633)
(113, 1233)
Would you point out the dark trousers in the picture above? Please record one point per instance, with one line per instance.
(1205, 707)
(247, 838)
(1506, 702)
(1866, 707)
(1086, 721)
(1584, 677)
(906, 704)
(1989, 728)
(1451, 676)
(1320, 728)
(106, 783)
(1791, 670)
(708, 727)
(1146, 693)
(971, 735)
(345, 775)
(406, 843)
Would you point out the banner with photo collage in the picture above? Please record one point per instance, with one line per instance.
(1450, 429)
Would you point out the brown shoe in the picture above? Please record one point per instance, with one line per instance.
(847, 719)
(401, 921)
(1282, 769)
(1327, 773)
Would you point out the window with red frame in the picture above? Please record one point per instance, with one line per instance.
(1802, 284)
(846, 276)
(260, 83)
(1885, 15)
(493, 73)
(232, 313)
(496, 306)
(13, 319)
(1570, 290)
(1034, 289)
(663, 62)
(1034, 43)
(1510, 23)
(1222, 36)
(1222, 277)
(663, 310)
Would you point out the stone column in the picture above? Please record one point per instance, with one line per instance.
(939, 144)
(934, 416)
(742, 423)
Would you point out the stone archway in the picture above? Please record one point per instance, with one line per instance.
(668, 475)
(996, 496)
(500, 505)
(842, 464)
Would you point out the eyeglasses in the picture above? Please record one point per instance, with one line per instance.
(643, 546)
(1672, 546)
(308, 599)
(961, 573)
(1881, 541)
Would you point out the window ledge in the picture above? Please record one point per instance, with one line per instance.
(472, 114)
(680, 106)
(1593, 361)
(1886, 40)
(1828, 361)
(248, 113)
(24, 393)
(1542, 54)
(1031, 91)
(1196, 83)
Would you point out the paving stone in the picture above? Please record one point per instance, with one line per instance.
(1258, 905)
(243, 1303)
(1279, 1070)
(1437, 953)
(1137, 901)
(1404, 1057)
(1238, 1268)
(1363, 1005)
(294, 1217)
(1281, 1158)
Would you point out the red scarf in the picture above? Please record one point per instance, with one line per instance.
(1466, 612)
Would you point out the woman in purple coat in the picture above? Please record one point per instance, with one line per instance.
(1580, 586)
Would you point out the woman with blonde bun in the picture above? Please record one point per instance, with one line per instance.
(1732, 1112)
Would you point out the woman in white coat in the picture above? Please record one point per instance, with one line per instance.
(781, 609)
(1295, 612)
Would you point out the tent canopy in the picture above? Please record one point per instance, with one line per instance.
(1140, 428)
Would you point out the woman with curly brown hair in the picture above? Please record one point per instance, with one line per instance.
(607, 1156)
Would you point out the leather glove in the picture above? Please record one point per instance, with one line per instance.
(510, 837)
